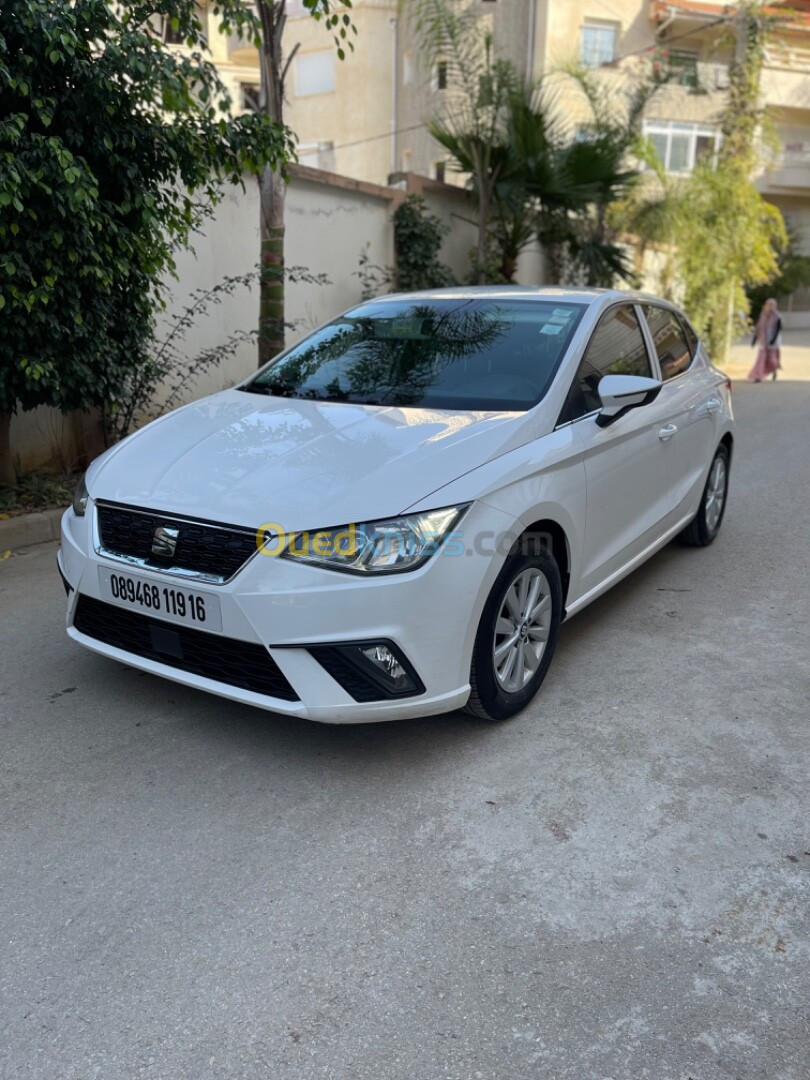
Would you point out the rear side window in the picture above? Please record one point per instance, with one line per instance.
(616, 348)
(674, 353)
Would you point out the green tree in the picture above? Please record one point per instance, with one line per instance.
(719, 236)
(417, 239)
(793, 272)
(112, 148)
(588, 174)
(728, 239)
(529, 172)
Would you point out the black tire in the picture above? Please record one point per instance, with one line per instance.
(488, 698)
(701, 530)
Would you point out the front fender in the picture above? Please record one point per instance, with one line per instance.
(544, 480)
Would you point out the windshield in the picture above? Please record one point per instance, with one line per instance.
(442, 353)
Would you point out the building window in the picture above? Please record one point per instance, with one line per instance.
(441, 75)
(250, 96)
(683, 67)
(438, 171)
(315, 73)
(679, 146)
(598, 43)
(308, 154)
(319, 155)
(172, 35)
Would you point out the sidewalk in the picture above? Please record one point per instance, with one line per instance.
(795, 357)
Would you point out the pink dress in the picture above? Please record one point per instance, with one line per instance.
(768, 359)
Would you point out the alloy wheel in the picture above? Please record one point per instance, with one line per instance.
(715, 494)
(521, 630)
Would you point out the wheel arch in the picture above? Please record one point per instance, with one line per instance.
(551, 534)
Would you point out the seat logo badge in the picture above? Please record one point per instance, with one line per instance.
(164, 540)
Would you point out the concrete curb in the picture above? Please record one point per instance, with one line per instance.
(29, 529)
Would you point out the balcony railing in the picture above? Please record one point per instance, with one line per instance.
(790, 169)
(795, 154)
(697, 76)
(791, 59)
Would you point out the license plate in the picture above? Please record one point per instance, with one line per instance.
(170, 602)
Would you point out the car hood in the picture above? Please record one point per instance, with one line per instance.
(247, 460)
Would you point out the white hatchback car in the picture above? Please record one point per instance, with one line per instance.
(393, 517)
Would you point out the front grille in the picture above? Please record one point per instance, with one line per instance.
(226, 660)
(212, 552)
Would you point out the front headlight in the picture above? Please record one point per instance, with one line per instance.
(80, 497)
(377, 547)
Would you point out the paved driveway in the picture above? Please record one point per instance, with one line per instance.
(613, 885)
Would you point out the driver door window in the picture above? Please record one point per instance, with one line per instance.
(674, 353)
(616, 348)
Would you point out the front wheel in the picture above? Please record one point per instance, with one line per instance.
(705, 525)
(517, 635)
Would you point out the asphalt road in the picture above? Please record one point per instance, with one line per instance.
(613, 885)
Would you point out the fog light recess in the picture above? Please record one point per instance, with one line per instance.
(369, 670)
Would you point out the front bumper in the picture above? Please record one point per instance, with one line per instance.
(431, 615)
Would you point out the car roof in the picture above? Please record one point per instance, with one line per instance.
(571, 294)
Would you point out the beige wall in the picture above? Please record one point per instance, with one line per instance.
(44, 438)
(331, 220)
(327, 227)
(418, 98)
(356, 116)
(375, 117)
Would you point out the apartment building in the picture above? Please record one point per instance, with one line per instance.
(696, 40)
(366, 117)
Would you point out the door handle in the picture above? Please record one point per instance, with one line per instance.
(712, 405)
(667, 432)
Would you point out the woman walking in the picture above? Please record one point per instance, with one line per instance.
(768, 338)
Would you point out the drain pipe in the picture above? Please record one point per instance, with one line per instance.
(665, 24)
(530, 47)
(394, 98)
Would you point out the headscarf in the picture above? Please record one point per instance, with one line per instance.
(767, 321)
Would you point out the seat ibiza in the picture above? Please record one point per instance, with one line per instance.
(392, 518)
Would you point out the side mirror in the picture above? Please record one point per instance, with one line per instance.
(621, 393)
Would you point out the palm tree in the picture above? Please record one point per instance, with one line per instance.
(472, 127)
(530, 173)
(589, 172)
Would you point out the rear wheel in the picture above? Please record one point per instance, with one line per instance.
(517, 635)
(705, 526)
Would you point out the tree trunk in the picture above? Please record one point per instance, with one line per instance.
(728, 326)
(7, 475)
(554, 260)
(272, 14)
(483, 225)
(271, 285)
